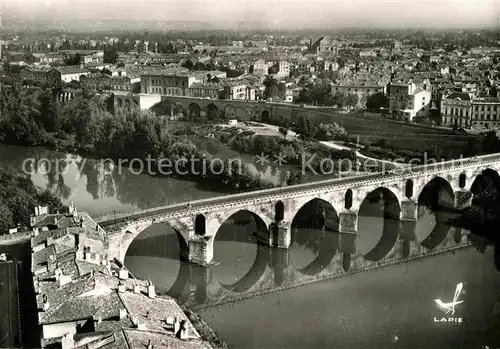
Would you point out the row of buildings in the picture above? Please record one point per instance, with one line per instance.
(86, 301)
(461, 109)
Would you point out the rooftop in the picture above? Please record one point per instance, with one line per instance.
(459, 95)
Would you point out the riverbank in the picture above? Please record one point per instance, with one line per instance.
(12, 239)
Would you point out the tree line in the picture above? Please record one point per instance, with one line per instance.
(18, 199)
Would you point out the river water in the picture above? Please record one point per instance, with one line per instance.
(311, 296)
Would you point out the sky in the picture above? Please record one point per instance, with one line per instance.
(279, 13)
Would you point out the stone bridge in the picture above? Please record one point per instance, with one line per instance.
(274, 269)
(193, 108)
(198, 222)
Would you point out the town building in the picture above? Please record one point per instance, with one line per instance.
(456, 110)
(485, 113)
(176, 81)
(283, 69)
(369, 53)
(205, 90)
(108, 83)
(86, 301)
(326, 45)
(408, 100)
(260, 66)
(72, 72)
(239, 91)
(170, 81)
(363, 89)
(42, 75)
(49, 58)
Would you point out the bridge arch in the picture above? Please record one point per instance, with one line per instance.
(392, 204)
(131, 232)
(348, 199)
(254, 275)
(381, 207)
(315, 227)
(194, 111)
(229, 112)
(249, 113)
(212, 111)
(279, 211)
(409, 188)
(486, 183)
(437, 192)
(200, 226)
(316, 213)
(262, 222)
(462, 180)
(265, 116)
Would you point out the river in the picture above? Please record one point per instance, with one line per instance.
(311, 296)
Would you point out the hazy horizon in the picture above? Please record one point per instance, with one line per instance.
(277, 14)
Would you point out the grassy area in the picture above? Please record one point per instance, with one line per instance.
(400, 135)
(10, 330)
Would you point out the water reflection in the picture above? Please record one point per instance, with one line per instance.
(246, 268)
(95, 186)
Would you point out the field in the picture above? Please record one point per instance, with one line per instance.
(10, 331)
(400, 135)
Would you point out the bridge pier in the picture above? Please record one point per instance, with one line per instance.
(280, 263)
(407, 236)
(409, 210)
(199, 279)
(280, 235)
(348, 229)
(348, 222)
(201, 250)
(463, 199)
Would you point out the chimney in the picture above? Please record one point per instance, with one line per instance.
(177, 326)
(81, 223)
(99, 319)
(183, 331)
(64, 279)
(80, 254)
(46, 305)
(151, 291)
(68, 341)
(58, 273)
(123, 274)
(137, 289)
(122, 288)
(150, 346)
(123, 313)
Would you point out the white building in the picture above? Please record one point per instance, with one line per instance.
(407, 100)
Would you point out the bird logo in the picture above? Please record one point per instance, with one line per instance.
(450, 307)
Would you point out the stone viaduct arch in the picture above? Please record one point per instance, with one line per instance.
(277, 209)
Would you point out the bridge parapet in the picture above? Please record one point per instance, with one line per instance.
(262, 204)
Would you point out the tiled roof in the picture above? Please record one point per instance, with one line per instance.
(461, 95)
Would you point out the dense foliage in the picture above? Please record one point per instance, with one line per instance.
(18, 198)
(84, 123)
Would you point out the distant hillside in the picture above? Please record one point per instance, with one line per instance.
(105, 25)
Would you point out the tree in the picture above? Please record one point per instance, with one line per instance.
(75, 59)
(352, 100)
(339, 99)
(328, 132)
(377, 101)
(305, 126)
(493, 91)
